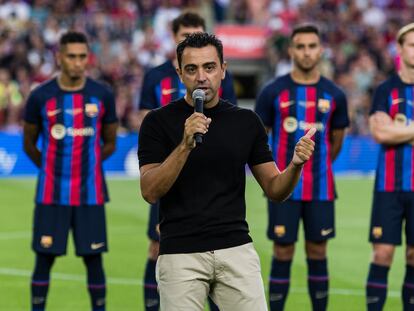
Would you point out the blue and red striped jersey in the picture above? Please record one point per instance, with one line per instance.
(290, 109)
(162, 85)
(395, 169)
(71, 130)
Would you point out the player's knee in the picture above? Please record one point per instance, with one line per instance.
(315, 250)
(283, 251)
(153, 250)
(409, 254)
(383, 256)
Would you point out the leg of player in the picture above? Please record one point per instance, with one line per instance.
(151, 296)
(408, 285)
(318, 279)
(212, 305)
(96, 281)
(279, 280)
(40, 280)
(376, 288)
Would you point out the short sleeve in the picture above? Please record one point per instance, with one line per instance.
(260, 152)
(32, 113)
(151, 145)
(379, 100)
(264, 106)
(110, 110)
(340, 118)
(148, 99)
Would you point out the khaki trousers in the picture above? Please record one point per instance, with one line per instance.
(231, 276)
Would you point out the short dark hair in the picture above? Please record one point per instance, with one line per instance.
(305, 28)
(73, 37)
(200, 40)
(188, 19)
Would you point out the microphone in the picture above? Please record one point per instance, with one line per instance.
(198, 99)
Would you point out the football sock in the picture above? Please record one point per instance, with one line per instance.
(212, 305)
(279, 282)
(96, 281)
(408, 289)
(318, 283)
(40, 281)
(151, 296)
(376, 289)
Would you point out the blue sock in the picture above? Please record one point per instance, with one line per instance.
(40, 281)
(96, 281)
(151, 296)
(279, 282)
(212, 305)
(376, 289)
(318, 283)
(408, 289)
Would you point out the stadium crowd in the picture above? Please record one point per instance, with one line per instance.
(130, 36)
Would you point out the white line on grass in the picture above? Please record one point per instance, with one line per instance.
(14, 235)
(137, 282)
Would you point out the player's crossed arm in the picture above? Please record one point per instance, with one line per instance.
(386, 130)
(279, 185)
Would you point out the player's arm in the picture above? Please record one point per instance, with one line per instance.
(158, 178)
(30, 135)
(108, 139)
(279, 185)
(385, 131)
(336, 140)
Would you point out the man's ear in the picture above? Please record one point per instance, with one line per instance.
(224, 69)
(178, 70)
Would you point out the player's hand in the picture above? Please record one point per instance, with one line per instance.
(304, 148)
(381, 118)
(196, 123)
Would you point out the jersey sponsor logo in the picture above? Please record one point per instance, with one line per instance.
(280, 230)
(59, 131)
(324, 105)
(46, 241)
(74, 112)
(91, 110)
(377, 232)
(396, 101)
(290, 124)
(166, 92)
(400, 119)
(52, 113)
(325, 232)
(286, 104)
(95, 246)
(308, 125)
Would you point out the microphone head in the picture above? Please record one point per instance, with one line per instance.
(198, 94)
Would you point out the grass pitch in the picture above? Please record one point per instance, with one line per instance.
(127, 213)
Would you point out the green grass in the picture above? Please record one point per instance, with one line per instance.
(349, 252)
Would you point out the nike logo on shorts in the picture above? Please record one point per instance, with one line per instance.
(325, 232)
(95, 246)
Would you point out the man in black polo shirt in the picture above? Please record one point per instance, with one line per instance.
(205, 248)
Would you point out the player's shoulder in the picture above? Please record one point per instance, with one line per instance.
(331, 87)
(161, 71)
(46, 87)
(392, 82)
(98, 86)
(277, 84)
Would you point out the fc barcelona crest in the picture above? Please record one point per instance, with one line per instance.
(324, 105)
(91, 110)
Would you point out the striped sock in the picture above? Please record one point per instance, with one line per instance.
(376, 288)
(96, 281)
(151, 296)
(279, 282)
(318, 283)
(40, 281)
(408, 289)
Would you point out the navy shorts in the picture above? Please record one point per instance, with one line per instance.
(318, 220)
(153, 221)
(389, 210)
(52, 224)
